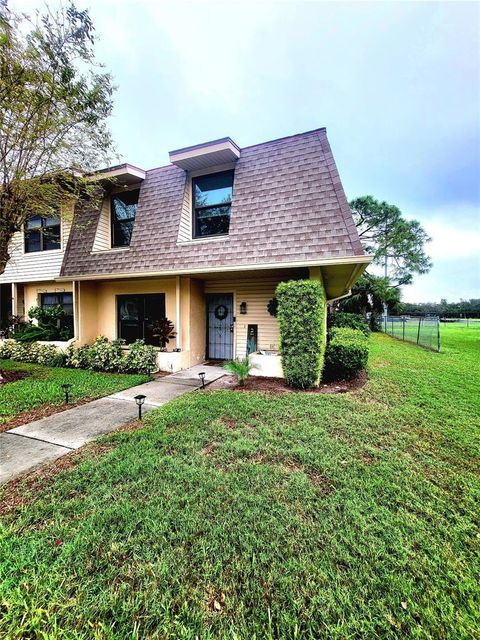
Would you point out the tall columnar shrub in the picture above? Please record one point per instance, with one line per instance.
(301, 316)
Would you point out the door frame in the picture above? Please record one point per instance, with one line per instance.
(234, 319)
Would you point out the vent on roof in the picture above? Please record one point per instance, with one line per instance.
(208, 154)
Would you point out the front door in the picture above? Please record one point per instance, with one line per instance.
(220, 326)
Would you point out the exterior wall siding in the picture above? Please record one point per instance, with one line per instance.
(256, 293)
(102, 240)
(40, 265)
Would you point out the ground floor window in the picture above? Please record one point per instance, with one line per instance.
(65, 301)
(137, 316)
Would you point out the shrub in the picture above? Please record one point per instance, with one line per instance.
(31, 333)
(103, 355)
(346, 354)
(46, 354)
(301, 315)
(76, 357)
(141, 358)
(239, 368)
(53, 324)
(348, 320)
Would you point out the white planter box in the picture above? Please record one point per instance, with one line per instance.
(172, 361)
(268, 366)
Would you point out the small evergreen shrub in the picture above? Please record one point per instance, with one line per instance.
(105, 355)
(46, 354)
(141, 358)
(239, 368)
(346, 354)
(348, 320)
(301, 315)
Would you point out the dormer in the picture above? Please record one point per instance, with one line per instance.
(119, 207)
(207, 201)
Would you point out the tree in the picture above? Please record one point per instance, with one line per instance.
(369, 294)
(396, 243)
(54, 104)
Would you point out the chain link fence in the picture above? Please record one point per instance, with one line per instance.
(424, 330)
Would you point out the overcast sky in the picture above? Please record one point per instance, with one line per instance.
(397, 84)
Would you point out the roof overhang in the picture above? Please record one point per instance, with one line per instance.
(208, 154)
(122, 174)
(339, 274)
(338, 279)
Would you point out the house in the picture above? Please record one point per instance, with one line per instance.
(203, 241)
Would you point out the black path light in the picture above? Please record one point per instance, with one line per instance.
(66, 389)
(140, 399)
(201, 375)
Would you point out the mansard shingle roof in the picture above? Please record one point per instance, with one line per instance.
(288, 206)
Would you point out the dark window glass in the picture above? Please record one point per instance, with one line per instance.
(51, 300)
(42, 234)
(124, 209)
(137, 315)
(65, 300)
(212, 201)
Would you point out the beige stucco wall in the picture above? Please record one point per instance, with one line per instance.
(98, 310)
(197, 321)
(106, 292)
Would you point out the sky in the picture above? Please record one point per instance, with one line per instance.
(396, 84)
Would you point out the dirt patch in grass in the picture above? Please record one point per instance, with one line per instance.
(11, 376)
(279, 386)
(230, 423)
(22, 490)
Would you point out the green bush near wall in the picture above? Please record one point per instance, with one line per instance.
(348, 320)
(346, 354)
(301, 316)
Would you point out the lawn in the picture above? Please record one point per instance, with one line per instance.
(243, 515)
(42, 387)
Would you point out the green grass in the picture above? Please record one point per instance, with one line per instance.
(242, 515)
(42, 387)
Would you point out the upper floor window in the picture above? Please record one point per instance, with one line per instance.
(124, 209)
(42, 234)
(212, 202)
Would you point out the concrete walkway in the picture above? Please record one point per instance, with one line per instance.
(25, 448)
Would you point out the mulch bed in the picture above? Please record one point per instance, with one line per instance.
(11, 376)
(278, 385)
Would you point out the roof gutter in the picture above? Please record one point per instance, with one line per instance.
(360, 261)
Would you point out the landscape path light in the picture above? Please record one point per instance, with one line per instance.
(140, 399)
(201, 375)
(66, 389)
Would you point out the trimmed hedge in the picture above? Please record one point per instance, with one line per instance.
(102, 355)
(105, 355)
(34, 352)
(348, 320)
(346, 353)
(301, 317)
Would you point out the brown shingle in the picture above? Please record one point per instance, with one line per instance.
(288, 205)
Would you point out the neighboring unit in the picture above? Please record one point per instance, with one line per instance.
(203, 241)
